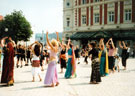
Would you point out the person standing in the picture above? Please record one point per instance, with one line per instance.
(86, 56)
(63, 58)
(18, 52)
(124, 54)
(28, 55)
(111, 53)
(8, 62)
(71, 66)
(103, 57)
(51, 78)
(95, 74)
(36, 60)
(23, 56)
(77, 54)
(0, 57)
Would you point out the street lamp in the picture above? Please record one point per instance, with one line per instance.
(6, 29)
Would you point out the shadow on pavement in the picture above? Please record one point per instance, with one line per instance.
(23, 82)
(78, 84)
(5, 85)
(127, 71)
(30, 88)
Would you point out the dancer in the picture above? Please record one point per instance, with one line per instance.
(117, 61)
(63, 57)
(124, 54)
(36, 60)
(95, 74)
(103, 57)
(71, 66)
(77, 54)
(86, 55)
(111, 47)
(28, 55)
(51, 78)
(0, 57)
(8, 62)
(18, 52)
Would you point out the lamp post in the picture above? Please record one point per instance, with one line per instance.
(6, 29)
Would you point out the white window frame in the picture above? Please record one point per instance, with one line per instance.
(96, 18)
(127, 14)
(111, 16)
(84, 19)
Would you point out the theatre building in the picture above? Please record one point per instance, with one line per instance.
(86, 20)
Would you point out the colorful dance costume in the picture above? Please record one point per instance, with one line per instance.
(51, 74)
(71, 66)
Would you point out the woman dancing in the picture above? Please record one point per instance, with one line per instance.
(95, 74)
(124, 54)
(103, 57)
(71, 66)
(8, 62)
(111, 53)
(63, 57)
(51, 78)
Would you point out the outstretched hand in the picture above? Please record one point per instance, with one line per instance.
(111, 39)
(69, 40)
(102, 39)
(46, 32)
(57, 33)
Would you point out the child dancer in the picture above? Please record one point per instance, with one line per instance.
(36, 61)
(117, 60)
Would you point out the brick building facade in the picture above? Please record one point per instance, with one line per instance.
(107, 18)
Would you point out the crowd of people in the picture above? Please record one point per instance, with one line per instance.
(104, 59)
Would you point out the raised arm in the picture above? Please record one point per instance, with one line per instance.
(67, 47)
(41, 45)
(49, 42)
(112, 43)
(107, 43)
(58, 39)
(57, 36)
(120, 45)
(124, 45)
(101, 43)
(3, 41)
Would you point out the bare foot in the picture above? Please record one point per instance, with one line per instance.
(52, 85)
(33, 80)
(40, 79)
(57, 83)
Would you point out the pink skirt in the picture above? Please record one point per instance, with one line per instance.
(51, 74)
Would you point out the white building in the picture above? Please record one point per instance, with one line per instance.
(84, 20)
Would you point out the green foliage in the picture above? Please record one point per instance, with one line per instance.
(18, 27)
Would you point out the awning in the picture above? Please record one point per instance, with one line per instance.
(115, 34)
(82, 35)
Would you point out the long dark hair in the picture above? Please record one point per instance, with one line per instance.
(37, 50)
(93, 44)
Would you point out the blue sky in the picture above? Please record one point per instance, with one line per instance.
(42, 14)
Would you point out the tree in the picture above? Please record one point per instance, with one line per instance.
(18, 27)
